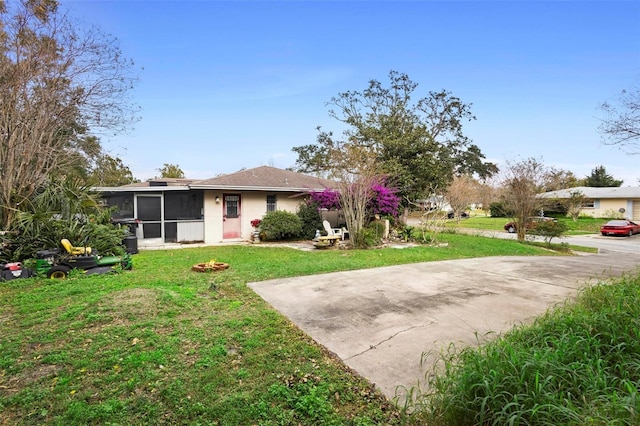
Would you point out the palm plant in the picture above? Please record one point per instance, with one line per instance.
(63, 208)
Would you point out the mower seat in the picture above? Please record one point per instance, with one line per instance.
(75, 251)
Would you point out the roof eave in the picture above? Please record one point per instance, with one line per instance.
(255, 188)
(139, 188)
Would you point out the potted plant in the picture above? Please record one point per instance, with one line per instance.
(256, 229)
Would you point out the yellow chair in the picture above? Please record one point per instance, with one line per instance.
(75, 251)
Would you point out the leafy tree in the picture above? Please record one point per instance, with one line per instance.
(599, 178)
(81, 159)
(110, 171)
(419, 144)
(171, 171)
(621, 127)
(523, 181)
(556, 179)
(57, 83)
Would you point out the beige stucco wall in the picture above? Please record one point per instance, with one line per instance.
(253, 205)
(607, 208)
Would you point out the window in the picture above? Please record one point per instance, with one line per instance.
(271, 203)
(232, 204)
(183, 205)
(588, 204)
(123, 204)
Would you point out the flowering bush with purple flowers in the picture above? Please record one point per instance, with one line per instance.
(327, 199)
(385, 201)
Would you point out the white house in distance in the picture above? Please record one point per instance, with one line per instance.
(609, 202)
(211, 210)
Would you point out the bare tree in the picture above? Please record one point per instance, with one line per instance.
(461, 193)
(356, 171)
(58, 83)
(621, 126)
(433, 218)
(574, 204)
(522, 182)
(487, 193)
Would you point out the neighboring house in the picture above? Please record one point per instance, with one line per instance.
(434, 202)
(210, 210)
(604, 202)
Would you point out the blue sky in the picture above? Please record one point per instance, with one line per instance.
(227, 85)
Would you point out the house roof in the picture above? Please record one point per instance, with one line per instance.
(262, 178)
(596, 193)
(163, 184)
(265, 178)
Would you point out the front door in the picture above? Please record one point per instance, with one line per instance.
(231, 220)
(149, 212)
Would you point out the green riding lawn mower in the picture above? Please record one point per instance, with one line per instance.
(57, 264)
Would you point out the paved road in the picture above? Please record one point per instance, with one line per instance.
(381, 322)
(629, 245)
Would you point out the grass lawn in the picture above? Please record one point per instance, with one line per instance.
(164, 345)
(584, 225)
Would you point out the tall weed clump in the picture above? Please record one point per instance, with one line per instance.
(578, 364)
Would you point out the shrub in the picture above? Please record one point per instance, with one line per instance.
(327, 199)
(385, 201)
(497, 209)
(310, 218)
(549, 229)
(406, 233)
(370, 236)
(555, 209)
(61, 210)
(281, 225)
(34, 232)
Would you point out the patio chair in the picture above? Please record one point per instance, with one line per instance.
(340, 232)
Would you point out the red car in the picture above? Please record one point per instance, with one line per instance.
(620, 227)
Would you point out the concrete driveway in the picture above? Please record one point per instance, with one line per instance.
(381, 322)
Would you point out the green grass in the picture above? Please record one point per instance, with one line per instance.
(164, 345)
(584, 225)
(579, 364)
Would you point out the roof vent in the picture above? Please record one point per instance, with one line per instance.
(158, 183)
